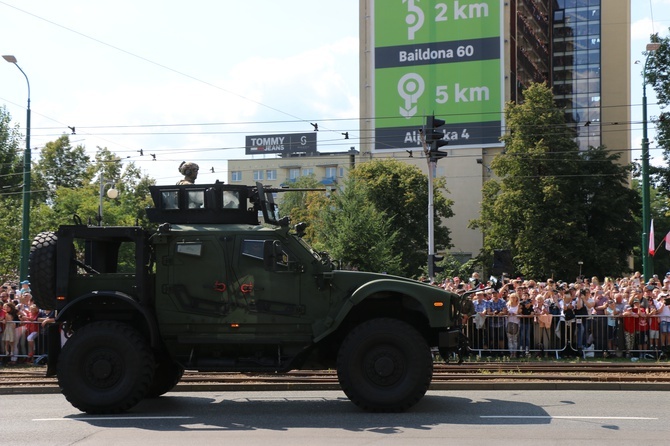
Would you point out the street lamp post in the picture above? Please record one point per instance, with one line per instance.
(25, 226)
(112, 193)
(647, 265)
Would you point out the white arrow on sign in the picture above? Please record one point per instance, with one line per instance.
(410, 89)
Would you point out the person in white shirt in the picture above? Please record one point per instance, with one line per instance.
(513, 310)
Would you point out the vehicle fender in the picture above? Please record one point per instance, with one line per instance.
(419, 295)
(111, 299)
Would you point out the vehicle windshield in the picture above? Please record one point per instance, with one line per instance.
(306, 245)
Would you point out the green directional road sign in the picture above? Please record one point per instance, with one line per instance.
(438, 58)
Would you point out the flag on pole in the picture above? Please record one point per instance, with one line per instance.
(667, 241)
(652, 246)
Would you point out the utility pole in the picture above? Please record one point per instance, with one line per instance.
(25, 225)
(647, 262)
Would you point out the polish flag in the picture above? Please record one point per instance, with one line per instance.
(667, 241)
(652, 248)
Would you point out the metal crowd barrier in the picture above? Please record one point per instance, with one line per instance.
(586, 336)
(20, 349)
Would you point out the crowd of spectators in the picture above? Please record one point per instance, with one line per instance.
(622, 316)
(21, 322)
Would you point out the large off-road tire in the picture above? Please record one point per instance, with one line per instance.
(166, 376)
(384, 365)
(42, 270)
(105, 367)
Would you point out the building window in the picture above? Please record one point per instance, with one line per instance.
(196, 199)
(271, 174)
(293, 174)
(307, 171)
(559, 16)
(258, 175)
(231, 199)
(331, 172)
(170, 200)
(341, 172)
(236, 175)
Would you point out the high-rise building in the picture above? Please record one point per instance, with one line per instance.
(461, 60)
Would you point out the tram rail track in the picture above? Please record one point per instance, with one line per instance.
(26, 377)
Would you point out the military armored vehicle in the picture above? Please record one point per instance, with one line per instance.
(213, 289)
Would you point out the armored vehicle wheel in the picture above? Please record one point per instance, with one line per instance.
(105, 367)
(167, 375)
(384, 365)
(42, 270)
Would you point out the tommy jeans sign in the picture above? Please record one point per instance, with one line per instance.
(285, 143)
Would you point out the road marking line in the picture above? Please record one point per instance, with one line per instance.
(110, 418)
(549, 417)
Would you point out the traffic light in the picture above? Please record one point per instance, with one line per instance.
(435, 138)
(434, 259)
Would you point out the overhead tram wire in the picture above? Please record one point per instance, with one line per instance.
(183, 150)
(203, 124)
(81, 130)
(263, 123)
(63, 126)
(606, 126)
(391, 155)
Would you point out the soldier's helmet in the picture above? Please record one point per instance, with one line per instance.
(188, 169)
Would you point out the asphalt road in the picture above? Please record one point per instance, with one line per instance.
(328, 418)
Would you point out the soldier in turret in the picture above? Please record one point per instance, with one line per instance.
(190, 172)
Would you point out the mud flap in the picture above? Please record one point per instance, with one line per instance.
(53, 348)
(453, 341)
(463, 344)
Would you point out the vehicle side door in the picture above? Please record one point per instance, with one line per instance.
(274, 295)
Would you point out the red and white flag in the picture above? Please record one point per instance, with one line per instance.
(652, 246)
(667, 241)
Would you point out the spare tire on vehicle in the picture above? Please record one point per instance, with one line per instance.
(42, 270)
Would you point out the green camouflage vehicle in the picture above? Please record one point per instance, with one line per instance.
(213, 290)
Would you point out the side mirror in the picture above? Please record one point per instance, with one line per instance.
(300, 229)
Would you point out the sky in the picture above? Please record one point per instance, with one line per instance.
(187, 81)
(181, 80)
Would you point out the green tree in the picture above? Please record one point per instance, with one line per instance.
(11, 178)
(134, 197)
(658, 76)
(609, 210)
(660, 212)
(61, 165)
(305, 206)
(554, 205)
(11, 167)
(64, 184)
(453, 267)
(399, 192)
(357, 233)
(84, 201)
